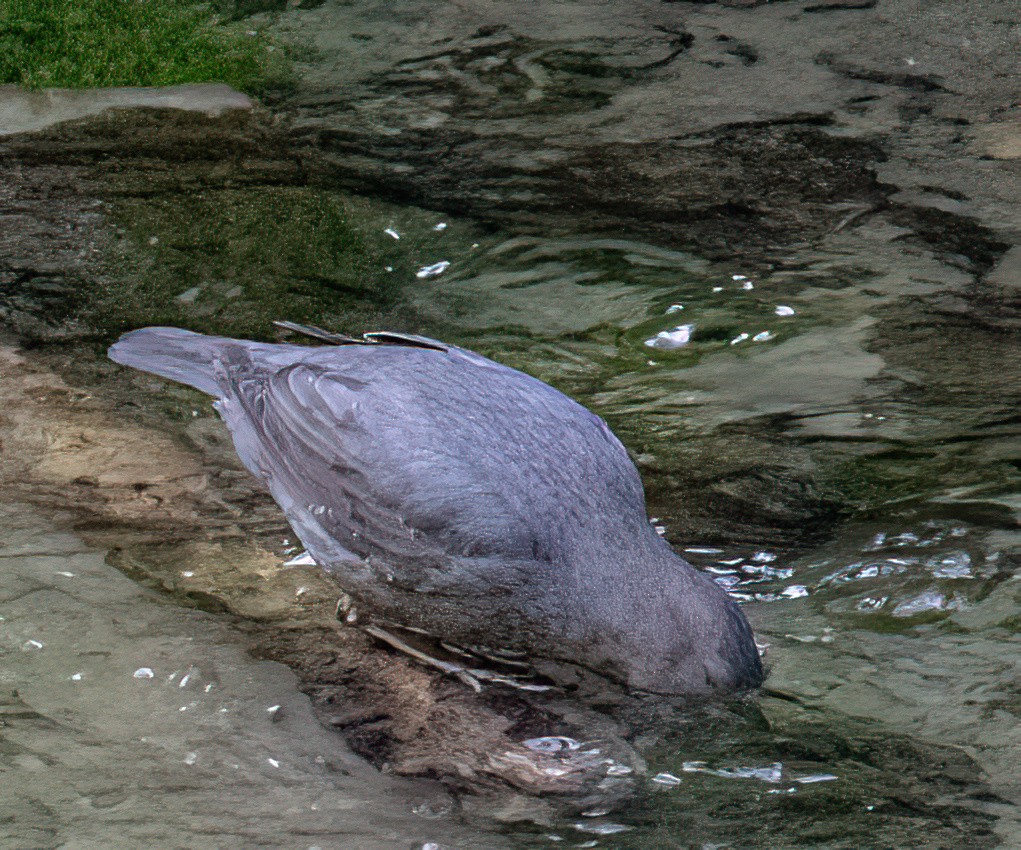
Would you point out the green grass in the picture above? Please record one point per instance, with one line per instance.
(93, 43)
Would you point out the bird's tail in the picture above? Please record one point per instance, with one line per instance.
(179, 355)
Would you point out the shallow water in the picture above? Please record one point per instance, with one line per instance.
(128, 721)
(822, 403)
(892, 644)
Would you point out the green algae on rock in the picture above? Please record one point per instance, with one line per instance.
(265, 254)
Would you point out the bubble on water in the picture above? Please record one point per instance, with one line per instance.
(552, 744)
(784, 310)
(666, 779)
(771, 773)
(803, 638)
(607, 828)
(767, 572)
(673, 338)
(144, 673)
(870, 603)
(434, 270)
(951, 565)
(929, 601)
(812, 778)
(878, 541)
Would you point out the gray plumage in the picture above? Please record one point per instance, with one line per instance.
(447, 492)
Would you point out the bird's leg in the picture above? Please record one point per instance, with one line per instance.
(447, 667)
(469, 675)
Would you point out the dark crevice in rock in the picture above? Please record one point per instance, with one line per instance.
(753, 187)
(900, 79)
(840, 5)
(960, 241)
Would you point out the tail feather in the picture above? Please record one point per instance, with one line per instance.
(179, 355)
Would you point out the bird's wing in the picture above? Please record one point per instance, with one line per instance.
(418, 456)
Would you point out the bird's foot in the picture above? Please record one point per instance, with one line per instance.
(471, 676)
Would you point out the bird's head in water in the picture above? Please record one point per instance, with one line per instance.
(668, 629)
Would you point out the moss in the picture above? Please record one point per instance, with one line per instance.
(93, 43)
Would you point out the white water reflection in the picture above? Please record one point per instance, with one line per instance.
(673, 338)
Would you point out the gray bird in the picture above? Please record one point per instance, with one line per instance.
(449, 493)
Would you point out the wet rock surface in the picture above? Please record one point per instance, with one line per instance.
(858, 161)
(124, 719)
